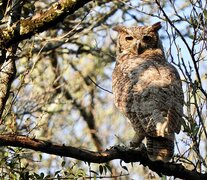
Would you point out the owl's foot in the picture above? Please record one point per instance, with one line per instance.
(137, 140)
(139, 146)
(120, 147)
(134, 144)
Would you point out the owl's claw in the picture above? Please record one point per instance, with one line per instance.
(133, 144)
(120, 147)
(139, 146)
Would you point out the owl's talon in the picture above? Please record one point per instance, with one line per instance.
(139, 146)
(118, 146)
(133, 144)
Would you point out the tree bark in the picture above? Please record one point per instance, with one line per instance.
(116, 152)
(40, 22)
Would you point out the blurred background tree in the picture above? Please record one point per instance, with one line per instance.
(61, 88)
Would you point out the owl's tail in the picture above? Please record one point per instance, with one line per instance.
(160, 148)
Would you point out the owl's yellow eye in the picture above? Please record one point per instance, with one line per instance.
(146, 38)
(129, 38)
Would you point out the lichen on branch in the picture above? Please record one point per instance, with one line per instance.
(40, 22)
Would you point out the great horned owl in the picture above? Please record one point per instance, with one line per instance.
(148, 90)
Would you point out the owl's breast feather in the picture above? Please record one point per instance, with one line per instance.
(142, 86)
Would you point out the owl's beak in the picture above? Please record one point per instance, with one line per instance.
(138, 46)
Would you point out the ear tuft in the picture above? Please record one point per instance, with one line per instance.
(119, 28)
(156, 26)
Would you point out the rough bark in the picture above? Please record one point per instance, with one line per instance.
(117, 152)
(23, 29)
(7, 75)
(40, 22)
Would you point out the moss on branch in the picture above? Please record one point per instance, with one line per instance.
(40, 22)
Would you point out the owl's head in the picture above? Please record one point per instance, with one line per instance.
(136, 40)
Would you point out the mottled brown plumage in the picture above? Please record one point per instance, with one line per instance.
(147, 89)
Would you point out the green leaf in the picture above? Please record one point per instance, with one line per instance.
(40, 157)
(37, 176)
(57, 172)
(94, 172)
(63, 163)
(47, 177)
(191, 36)
(28, 8)
(11, 149)
(42, 175)
(125, 168)
(109, 168)
(105, 169)
(80, 173)
(205, 13)
(101, 169)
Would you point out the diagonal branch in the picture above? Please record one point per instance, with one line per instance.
(40, 22)
(117, 152)
(23, 29)
(7, 64)
(87, 115)
(7, 75)
(192, 54)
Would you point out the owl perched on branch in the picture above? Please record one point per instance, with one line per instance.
(148, 90)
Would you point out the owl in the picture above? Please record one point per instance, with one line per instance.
(147, 90)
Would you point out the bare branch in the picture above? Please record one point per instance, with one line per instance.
(188, 48)
(117, 152)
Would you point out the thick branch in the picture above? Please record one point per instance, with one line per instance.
(7, 75)
(7, 64)
(40, 22)
(123, 153)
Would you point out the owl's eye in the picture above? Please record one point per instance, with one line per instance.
(129, 38)
(147, 38)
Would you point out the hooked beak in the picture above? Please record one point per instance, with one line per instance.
(138, 47)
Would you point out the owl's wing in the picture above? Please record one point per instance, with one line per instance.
(158, 100)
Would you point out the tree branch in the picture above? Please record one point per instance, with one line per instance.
(40, 22)
(117, 152)
(7, 75)
(7, 63)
